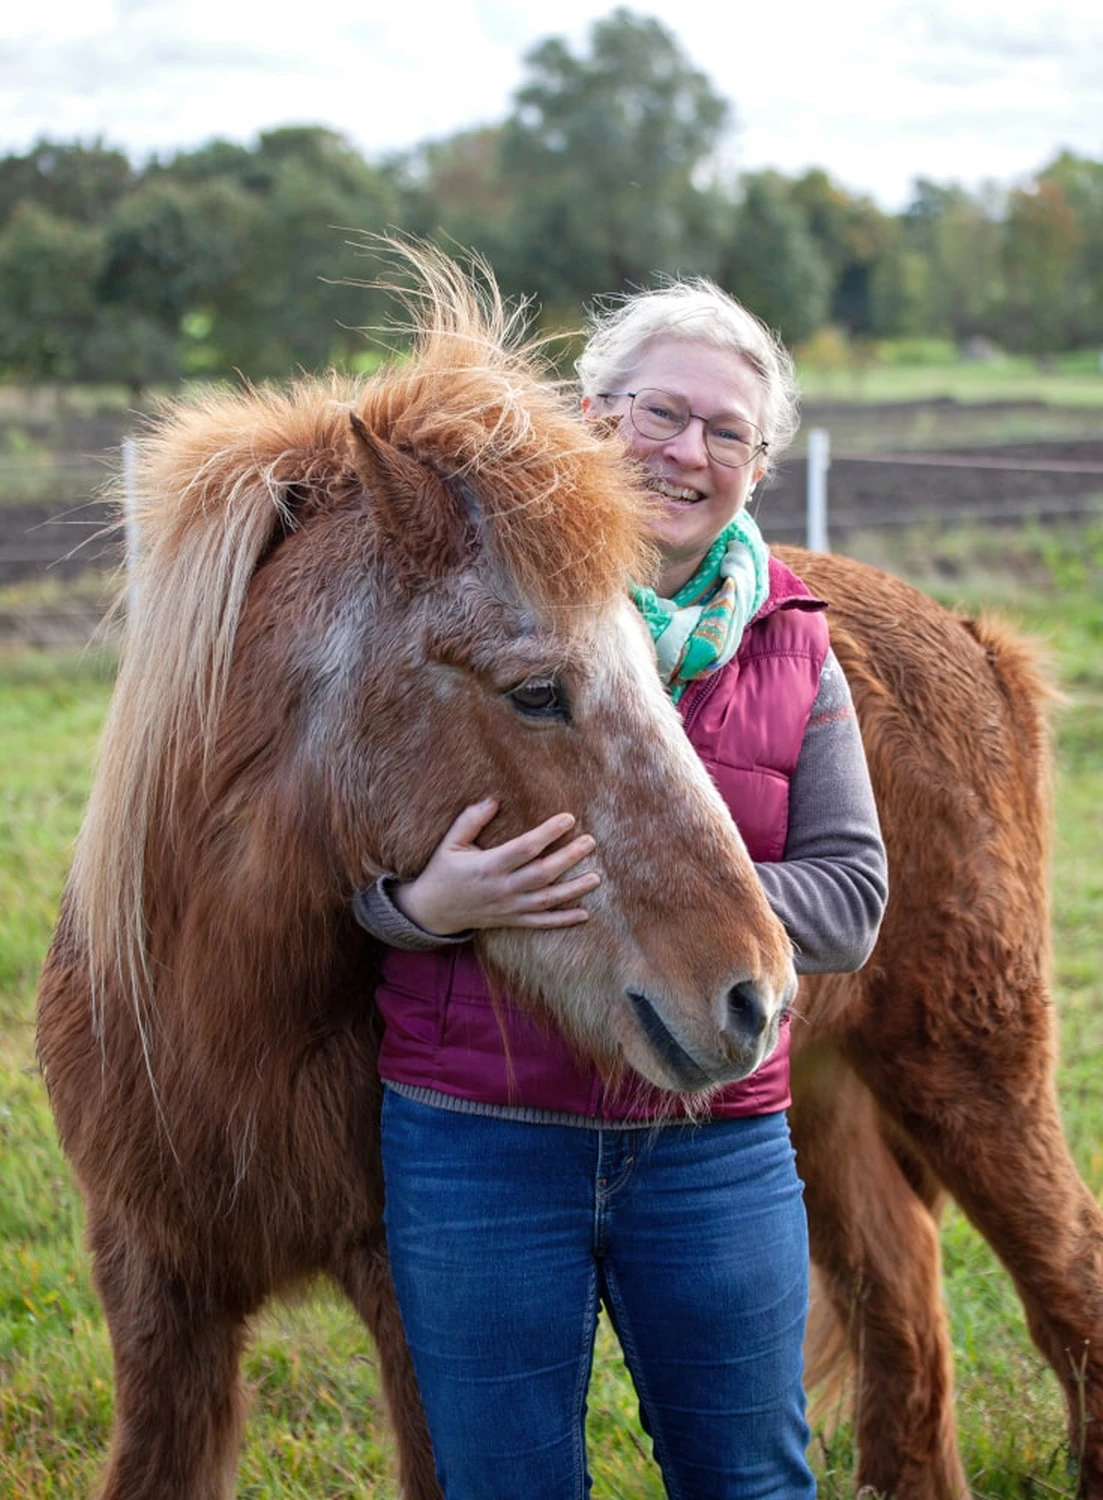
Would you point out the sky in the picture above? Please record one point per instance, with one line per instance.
(876, 92)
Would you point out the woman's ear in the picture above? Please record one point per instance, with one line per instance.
(588, 407)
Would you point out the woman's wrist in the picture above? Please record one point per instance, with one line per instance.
(415, 904)
(377, 911)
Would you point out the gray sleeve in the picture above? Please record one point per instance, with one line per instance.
(375, 910)
(831, 886)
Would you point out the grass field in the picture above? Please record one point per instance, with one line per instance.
(1009, 380)
(316, 1428)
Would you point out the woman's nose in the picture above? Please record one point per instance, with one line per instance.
(689, 446)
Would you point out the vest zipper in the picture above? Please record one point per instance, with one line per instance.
(702, 689)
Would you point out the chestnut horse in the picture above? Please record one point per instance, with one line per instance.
(360, 609)
(932, 1070)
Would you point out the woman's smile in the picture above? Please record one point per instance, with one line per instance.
(679, 494)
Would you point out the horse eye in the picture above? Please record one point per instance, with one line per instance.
(539, 698)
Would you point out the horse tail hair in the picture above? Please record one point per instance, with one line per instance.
(828, 1361)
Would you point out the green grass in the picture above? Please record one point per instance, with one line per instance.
(316, 1427)
(949, 426)
(51, 709)
(836, 372)
(926, 400)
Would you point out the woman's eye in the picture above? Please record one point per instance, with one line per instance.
(539, 697)
(733, 429)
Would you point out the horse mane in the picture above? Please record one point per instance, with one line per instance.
(222, 477)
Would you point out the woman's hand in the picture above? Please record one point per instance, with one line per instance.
(513, 885)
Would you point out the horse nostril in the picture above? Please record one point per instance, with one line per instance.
(746, 1018)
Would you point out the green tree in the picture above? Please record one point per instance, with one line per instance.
(129, 348)
(606, 156)
(321, 201)
(159, 260)
(174, 252)
(49, 268)
(1080, 183)
(215, 160)
(773, 264)
(305, 202)
(1045, 298)
(899, 287)
(75, 182)
(455, 190)
(170, 250)
(958, 236)
(229, 259)
(854, 238)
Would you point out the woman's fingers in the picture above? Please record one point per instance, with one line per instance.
(569, 916)
(520, 864)
(548, 897)
(527, 847)
(549, 868)
(551, 905)
(470, 823)
(512, 884)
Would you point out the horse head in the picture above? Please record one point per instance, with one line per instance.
(363, 607)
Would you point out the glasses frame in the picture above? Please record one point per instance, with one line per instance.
(762, 446)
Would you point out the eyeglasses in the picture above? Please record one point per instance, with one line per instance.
(730, 440)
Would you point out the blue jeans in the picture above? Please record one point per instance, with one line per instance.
(505, 1237)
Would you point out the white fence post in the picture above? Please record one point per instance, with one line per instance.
(130, 521)
(819, 461)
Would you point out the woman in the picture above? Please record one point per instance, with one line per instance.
(516, 1209)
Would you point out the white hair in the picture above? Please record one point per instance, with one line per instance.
(694, 310)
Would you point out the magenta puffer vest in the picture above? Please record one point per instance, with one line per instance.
(747, 723)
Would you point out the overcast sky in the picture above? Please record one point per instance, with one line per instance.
(878, 92)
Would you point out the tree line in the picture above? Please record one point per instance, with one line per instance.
(605, 172)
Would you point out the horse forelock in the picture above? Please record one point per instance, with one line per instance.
(221, 478)
(556, 502)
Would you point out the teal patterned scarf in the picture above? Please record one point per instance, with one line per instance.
(699, 630)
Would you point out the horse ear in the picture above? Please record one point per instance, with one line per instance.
(413, 505)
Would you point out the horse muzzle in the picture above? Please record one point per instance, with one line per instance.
(746, 1018)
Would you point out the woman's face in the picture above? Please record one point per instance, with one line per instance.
(700, 495)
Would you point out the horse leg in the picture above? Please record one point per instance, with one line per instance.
(1047, 1230)
(874, 1241)
(363, 1271)
(987, 1120)
(178, 1407)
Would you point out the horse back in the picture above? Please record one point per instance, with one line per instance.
(954, 718)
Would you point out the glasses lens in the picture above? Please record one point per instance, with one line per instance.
(658, 414)
(732, 440)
